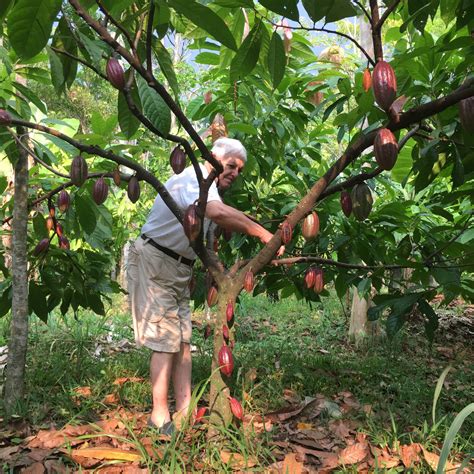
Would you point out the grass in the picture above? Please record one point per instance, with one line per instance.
(279, 345)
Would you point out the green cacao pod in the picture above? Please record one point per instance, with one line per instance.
(466, 114)
(361, 201)
(115, 75)
(384, 84)
(100, 191)
(385, 149)
(133, 189)
(79, 170)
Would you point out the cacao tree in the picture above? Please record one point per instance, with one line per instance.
(394, 151)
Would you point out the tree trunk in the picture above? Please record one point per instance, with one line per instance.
(15, 371)
(358, 329)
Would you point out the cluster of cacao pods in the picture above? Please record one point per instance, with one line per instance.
(192, 223)
(314, 278)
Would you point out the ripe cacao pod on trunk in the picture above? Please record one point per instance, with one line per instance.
(200, 412)
(116, 176)
(178, 160)
(286, 232)
(225, 332)
(225, 360)
(310, 277)
(346, 203)
(100, 191)
(207, 331)
(249, 282)
(229, 311)
(361, 201)
(236, 408)
(310, 228)
(212, 296)
(41, 247)
(115, 74)
(59, 229)
(385, 149)
(192, 223)
(64, 200)
(466, 114)
(49, 223)
(366, 80)
(64, 243)
(79, 171)
(384, 84)
(5, 117)
(318, 280)
(133, 189)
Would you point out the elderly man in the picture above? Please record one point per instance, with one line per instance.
(159, 272)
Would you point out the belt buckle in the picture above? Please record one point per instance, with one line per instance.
(180, 258)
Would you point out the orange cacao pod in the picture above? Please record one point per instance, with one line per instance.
(64, 243)
(229, 311)
(178, 160)
(192, 223)
(212, 296)
(5, 117)
(41, 247)
(116, 176)
(310, 227)
(385, 149)
(64, 200)
(115, 75)
(318, 280)
(236, 408)
(346, 203)
(249, 281)
(79, 171)
(49, 223)
(466, 114)
(225, 332)
(225, 360)
(133, 189)
(384, 84)
(100, 191)
(286, 232)
(310, 277)
(51, 209)
(366, 80)
(59, 229)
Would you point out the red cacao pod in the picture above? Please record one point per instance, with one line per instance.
(200, 413)
(207, 331)
(192, 223)
(41, 247)
(249, 281)
(384, 84)
(227, 234)
(366, 80)
(310, 277)
(51, 209)
(310, 226)
(315, 97)
(178, 160)
(59, 229)
(385, 149)
(286, 232)
(212, 296)
(466, 114)
(115, 75)
(116, 177)
(64, 243)
(5, 117)
(236, 408)
(225, 360)
(361, 201)
(225, 332)
(100, 191)
(229, 311)
(133, 189)
(49, 223)
(64, 201)
(346, 203)
(208, 97)
(79, 171)
(318, 280)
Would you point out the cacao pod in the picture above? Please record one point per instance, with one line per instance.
(5, 117)
(64, 243)
(385, 149)
(133, 189)
(49, 223)
(100, 191)
(249, 281)
(366, 80)
(115, 74)
(79, 171)
(384, 84)
(212, 296)
(200, 413)
(318, 280)
(208, 97)
(207, 331)
(466, 114)
(227, 234)
(192, 223)
(51, 209)
(346, 203)
(59, 229)
(361, 201)
(236, 408)
(315, 97)
(225, 360)
(218, 128)
(225, 332)
(310, 227)
(286, 232)
(41, 247)
(178, 160)
(229, 311)
(116, 176)
(64, 200)
(310, 277)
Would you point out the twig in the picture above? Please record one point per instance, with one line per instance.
(79, 60)
(376, 34)
(116, 24)
(366, 13)
(386, 13)
(149, 37)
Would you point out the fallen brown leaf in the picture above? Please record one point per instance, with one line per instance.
(6, 454)
(291, 465)
(111, 399)
(38, 454)
(433, 460)
(85, 392)
(36, 468)
(304, 426)
(340, 428)
(354, 454)
(237, 461)
(122, 380)
(383, 459)
(107, 453)
(409, 454)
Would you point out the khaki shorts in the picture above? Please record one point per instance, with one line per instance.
(159, 298)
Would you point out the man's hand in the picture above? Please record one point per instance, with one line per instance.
(266, 237)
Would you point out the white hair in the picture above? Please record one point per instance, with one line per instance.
(225, 147)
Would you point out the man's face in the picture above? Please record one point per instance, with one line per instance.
(232, 168)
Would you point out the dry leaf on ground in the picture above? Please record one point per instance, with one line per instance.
(433, 459)
(85, 392)
(36, 468)
(409, 453)
(237, 461)
(340, 428)
(291, 465)
(383, 459)
(354, 454)
(107, 453)
(7, 453)
(111, 399)
(122, 380)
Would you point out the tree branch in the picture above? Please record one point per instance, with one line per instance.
(117, 25)
(366, 13)
(376, 34)
(386, 13)
(79, 60)
(335, 263)
(149, 37)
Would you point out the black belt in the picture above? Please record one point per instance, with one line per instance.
(169, 252)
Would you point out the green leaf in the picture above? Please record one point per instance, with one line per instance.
(286, 8)
(448, 10)
(56, 68)
(95, 303)
(276, 59)
(458, 170)
(30, 96)
(39, 226)
(207, 58)
(431, 325)
(330, 10)
(85, 209)
(206, 19)
(247, 55)
(129, 124)
(166, 66)
(154, 107)
(6, 298)
(29, 25)
(4, 6)
(242, 127)
(64, 40)
(37, 301)
(234, 3)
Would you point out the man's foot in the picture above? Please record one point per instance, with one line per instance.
(167, 428)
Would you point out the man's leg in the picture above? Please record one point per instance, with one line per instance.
(161, 365)
(181, 375)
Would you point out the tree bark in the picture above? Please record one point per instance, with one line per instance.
(15, 371)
